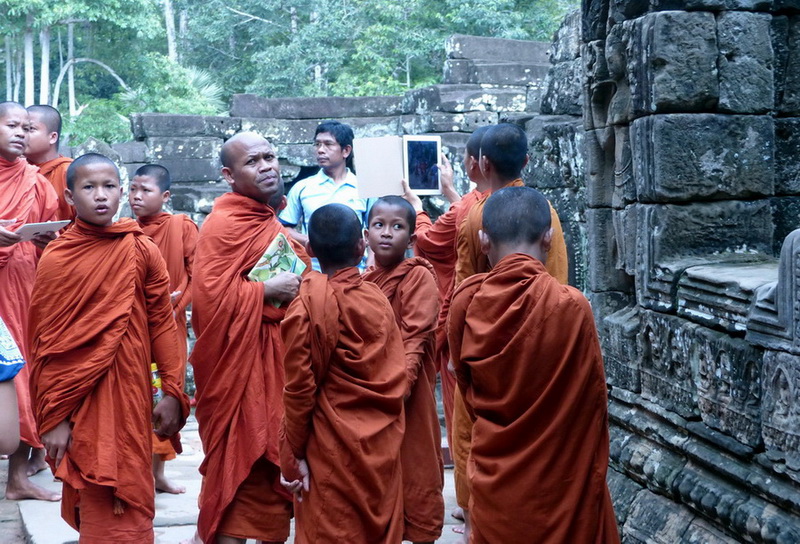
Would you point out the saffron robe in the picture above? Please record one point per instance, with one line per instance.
(411, 289)
(100, 313)
(27, 197)
(55, 170)
(176, 237)
(528, 362)
(345, 383)
(237, 358)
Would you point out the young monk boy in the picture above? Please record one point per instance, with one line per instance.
(42, 151)
(175, 236)
(345, 383)
(528, 362)
(25, 197)
(410, 286)
(100, 313)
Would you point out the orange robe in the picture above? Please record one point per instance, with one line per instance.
(471, 260)
(100, 312)
(345, 382)
(55, 170)
(436, 242)
(238, 369)
(176, 237)
(28, 198)
(528, 362)
(411, 289)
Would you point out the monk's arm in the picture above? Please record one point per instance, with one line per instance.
(456, 328)
(465, 260)
(557, 264)
(437, 241)
(190, 234)
(419, 312)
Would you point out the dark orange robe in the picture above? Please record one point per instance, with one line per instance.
(411, 289)
(345, 383)
(528, 362)
(176, 237)
(55, 170)
(436, 242)
(27, 197)
(238, 369)
(100, 313)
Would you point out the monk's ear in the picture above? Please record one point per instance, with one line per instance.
(309, 250)
(165, 196)
(53, 138)
(527, 158)
(486, 243)
(361, 246)
(484, 164)
(227, 175)
(412, 240)
(547, 240)
(68, 197)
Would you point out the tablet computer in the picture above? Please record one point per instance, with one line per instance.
(29, 230)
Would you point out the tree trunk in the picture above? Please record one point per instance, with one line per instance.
(44, 68)
(73, 107)
(183, 29)
(169, 19)
(71, 62)
(17, 71)
(30, 95)
(9, 70)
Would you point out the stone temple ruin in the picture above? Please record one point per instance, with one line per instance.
(667, 135)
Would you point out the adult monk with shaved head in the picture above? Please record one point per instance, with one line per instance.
(238, 356)
(42, 151)
(528, 363)
(25, 197)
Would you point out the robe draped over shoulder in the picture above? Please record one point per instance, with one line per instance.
(55, 170)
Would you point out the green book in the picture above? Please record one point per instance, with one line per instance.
(279, 257)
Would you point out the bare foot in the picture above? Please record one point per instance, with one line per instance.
(36, 463)
(165, 485)
(458, 513)
(28, 490)
(194, 540)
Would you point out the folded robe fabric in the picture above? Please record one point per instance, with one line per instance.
(55, 170)
(238, 356)
(27, 197)
(345, 382)
(411, 289)
(100, 313)
(528, 361)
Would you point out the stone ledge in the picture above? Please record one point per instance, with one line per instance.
(251, 105)
(463, 46)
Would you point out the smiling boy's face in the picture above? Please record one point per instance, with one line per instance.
(14, 129)
(388, 234)
(96, 193)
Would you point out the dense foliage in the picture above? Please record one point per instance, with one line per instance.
(187, 56)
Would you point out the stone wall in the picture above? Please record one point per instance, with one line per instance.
(690, 135)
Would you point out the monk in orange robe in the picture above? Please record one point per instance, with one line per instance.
(410, 286)
(346, 380)
(528, 362)
(42, 151)
(503, 155)
(100, 313)
(25, 197)
(238, 356)
(175, 236)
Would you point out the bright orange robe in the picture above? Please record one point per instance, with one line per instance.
(176, 237)
(528, 362)
(55, 170)
(411, 289)
(28, 198)
(238, 369)
(436, 242)
(100, 312)
(345, 383)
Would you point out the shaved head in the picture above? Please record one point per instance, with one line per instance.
(474, 142)
(159, 173)
(86, 160)
(334, 232)
(47, 115)
(238, 140)
(516, 215)
(6, 107)
(398, 202)
(506, 147)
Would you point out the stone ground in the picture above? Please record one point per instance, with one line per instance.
(39, 522)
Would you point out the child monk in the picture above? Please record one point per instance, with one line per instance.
(100, 313)
(25, 197)
(410, 286)
(528, 362)
(175, 236)
(238, 356)
(42, 151)
(345, 383)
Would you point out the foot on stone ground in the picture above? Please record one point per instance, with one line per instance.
(194, 540)
(36, 463)
(165, 485)
(29, 490)
(458, 513)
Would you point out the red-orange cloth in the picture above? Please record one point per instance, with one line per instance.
(28, 198)
(100, 312)
(99, 524)
(55, 170)
(238, 356)
(436, 242)
(411, 289)
(345, 382)
(528, 361)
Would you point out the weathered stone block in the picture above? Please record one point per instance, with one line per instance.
(462, 46)
(533, 96)
(625, 234)
(781, 408)
(730, 156)
(455, 143)
(320, 108)
(653, 518)
(463, 98)
(160, 148)
(566, 44)
(196, 198)
(603, 253)
(788, 71)
(298, 131)
(192, 169)
(458, 71)
(672, 62)
(146, 125)
(598, 151)
(787, 151)
(507, 73)
(621, 353)
(594, 18)
(563, 87)
(570, 206)
(130, 152)
(554, 150)
(623, 491)
(458, 122)
(297, 154)
(785, 218)
(745, 62)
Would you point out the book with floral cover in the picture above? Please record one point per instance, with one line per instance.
(279, 257)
